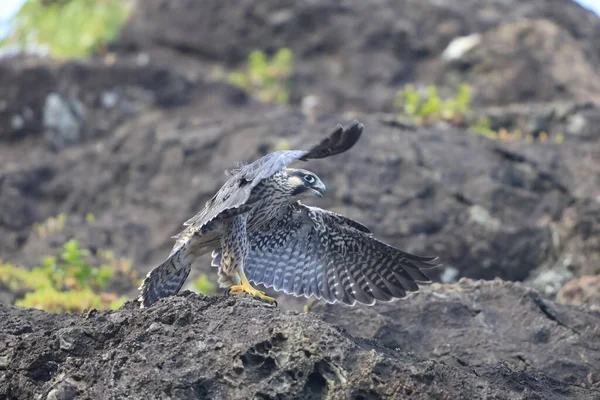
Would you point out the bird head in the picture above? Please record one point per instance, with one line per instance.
(303, 183)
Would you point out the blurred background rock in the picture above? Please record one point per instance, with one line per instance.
(481, 145)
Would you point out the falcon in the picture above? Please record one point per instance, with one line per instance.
(259, 232)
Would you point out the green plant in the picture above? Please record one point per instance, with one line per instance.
(430, 107)
(268, 80)
(203, 285)
(409, 99)
(67, 282)
(51, 225)
(68, 28)
(459, 106)
(483, 127)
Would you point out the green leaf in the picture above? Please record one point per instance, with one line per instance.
(264, 78)
(67, 28)
(203, 285)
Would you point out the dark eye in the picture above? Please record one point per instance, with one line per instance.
(309, 178)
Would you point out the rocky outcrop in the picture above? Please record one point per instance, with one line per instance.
(142, 142)
(67, 112)
(66, 102)
(356, 55)
(485, 208)
(581, 291)
(190, 347)
(140, 137)
(527, 60)
(484, 322)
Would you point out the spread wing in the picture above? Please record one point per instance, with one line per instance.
(236, 191)
(314, 252)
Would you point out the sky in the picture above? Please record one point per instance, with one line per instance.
(593, 5)
(9, 7)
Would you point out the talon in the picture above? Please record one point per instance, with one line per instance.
(246, 287)
(238, 289)
(227, 292)
(264, 298)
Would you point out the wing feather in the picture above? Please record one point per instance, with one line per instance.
(202, 233)
(234, 194)
(323, 254)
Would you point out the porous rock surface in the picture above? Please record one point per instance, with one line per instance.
(195, 347)
(477, 323)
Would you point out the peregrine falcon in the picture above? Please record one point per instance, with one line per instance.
(260, 232)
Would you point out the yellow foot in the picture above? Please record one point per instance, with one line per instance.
(238, 289)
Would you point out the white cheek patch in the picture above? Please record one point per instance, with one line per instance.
(295, 181)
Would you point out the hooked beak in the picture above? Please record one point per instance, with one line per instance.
(319, 189)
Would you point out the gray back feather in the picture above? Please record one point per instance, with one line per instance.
(236, 191)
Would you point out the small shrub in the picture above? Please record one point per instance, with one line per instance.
(203, 285)
(51, 225)
(90, 218)
(431, 108)
(67, 28)
(459, 106)
(68, 283)
(483, 127)
(52, 300)
(267, 80)
(19, 278)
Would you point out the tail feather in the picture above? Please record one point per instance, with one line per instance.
(166, 279)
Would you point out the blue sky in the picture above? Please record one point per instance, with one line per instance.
(593, 5)
(9, 7)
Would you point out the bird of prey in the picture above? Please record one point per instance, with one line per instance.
(258, 231)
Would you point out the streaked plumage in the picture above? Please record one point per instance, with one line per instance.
(314, 252)
(257, 228)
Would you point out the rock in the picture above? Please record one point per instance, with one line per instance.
(440, 190)
(459, 46)
(549, 281)
(192, 346)
(63, 120)
(26, 85)
(156, 141)
(58, 94)
(579, 228)
(480, 323)
(581, 291)
(41, 94)
(530, 60)
(140, 139)
(575, 121)
(357, 55)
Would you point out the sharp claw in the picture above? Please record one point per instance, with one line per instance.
(275, 303)
(227, 292)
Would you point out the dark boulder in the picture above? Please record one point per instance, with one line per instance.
(193, 347)
(485, 322)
